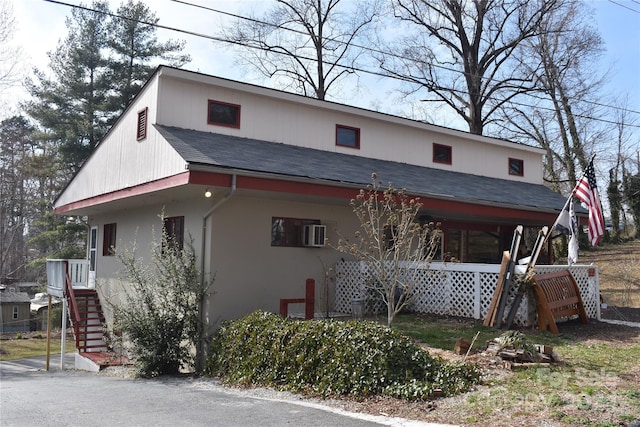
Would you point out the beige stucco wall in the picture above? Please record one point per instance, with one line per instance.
(249, 273)
(139, 229)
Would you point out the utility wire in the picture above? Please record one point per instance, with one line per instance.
(625, 6)
(375, 73)
(370, 49)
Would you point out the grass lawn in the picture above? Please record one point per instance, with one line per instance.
(597, 382)
(619, 267)
(34, 345)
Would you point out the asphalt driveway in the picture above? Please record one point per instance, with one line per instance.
(31, 396)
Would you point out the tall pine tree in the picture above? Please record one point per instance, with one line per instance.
(93, 74)
(70, 104)
(135, 46)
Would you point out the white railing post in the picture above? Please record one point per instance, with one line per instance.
(79, 273)
(477, 296)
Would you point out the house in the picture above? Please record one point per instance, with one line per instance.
(15, 310)
(256, 177)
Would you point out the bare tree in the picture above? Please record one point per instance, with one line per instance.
(626, 148)
(563, 118)
(462, 52)
(309, 44)
(15, 150)
(566, 47)
(10, 56)
(393, 245)
(632, 196)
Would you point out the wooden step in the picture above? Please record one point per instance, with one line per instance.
(87, 327)
(93, 347)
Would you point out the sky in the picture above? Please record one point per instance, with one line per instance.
(41, 24)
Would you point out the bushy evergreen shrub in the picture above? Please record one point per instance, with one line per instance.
(331, 357)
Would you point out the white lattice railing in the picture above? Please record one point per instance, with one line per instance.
(462, 290)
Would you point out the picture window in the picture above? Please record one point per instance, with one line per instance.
(224, 114)
(347, 136)
(289, 231)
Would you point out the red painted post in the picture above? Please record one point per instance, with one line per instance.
(284, 308)
(310, 299)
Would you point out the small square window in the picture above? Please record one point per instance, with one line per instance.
(347, 136)
(442, 154)
(516, 167)
(141, 132)
(224, 114)
(109, 240)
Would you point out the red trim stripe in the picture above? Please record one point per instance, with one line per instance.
(138, 190)
(216, 179)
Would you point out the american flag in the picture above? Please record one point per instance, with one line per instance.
(587, 192)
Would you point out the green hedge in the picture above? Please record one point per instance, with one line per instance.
(330, 357)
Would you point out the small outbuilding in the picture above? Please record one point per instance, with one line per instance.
(15, 311)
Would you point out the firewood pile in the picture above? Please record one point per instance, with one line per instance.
(514, 349)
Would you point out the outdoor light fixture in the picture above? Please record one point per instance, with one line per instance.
(208, 193)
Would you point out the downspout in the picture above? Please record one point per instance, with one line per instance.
(209, 213)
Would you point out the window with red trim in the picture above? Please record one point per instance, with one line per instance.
(223, 114)
(174, 227)
(516, 167)
(347, 136)
(442, 154)
(109, 240)
(289, 231)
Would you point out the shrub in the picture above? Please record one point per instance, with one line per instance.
(331, 357)
(160, 314)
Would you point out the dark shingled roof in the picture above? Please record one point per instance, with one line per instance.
(11, 296)
(204, 148)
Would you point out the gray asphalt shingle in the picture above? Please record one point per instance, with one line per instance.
(204, 148)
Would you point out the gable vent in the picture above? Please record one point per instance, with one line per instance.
(141, 132)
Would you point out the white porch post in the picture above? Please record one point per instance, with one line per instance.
(63, 336)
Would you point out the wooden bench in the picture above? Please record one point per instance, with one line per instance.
(557, 296)
(309, 301)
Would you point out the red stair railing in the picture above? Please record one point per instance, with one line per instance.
(80, 321)
(73, 305)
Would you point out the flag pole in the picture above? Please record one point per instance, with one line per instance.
(567, 202)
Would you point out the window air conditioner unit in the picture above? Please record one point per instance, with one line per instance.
(314, 235)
